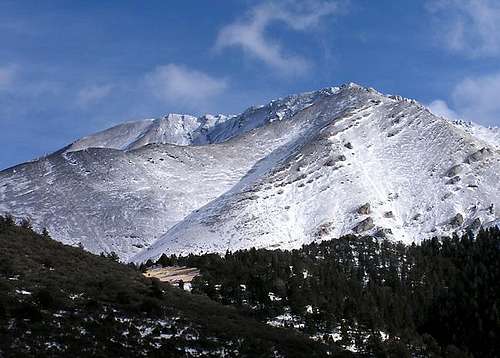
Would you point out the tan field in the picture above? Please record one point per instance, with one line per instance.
(173, 274)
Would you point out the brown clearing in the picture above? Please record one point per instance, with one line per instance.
(173, 274)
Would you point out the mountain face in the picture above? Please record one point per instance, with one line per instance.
(305, 168)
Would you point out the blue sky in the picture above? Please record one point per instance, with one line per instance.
(70, 68)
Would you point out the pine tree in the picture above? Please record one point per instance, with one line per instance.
(45, 235)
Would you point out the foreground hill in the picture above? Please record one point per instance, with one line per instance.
(60, 301)
(370, 296)
(351, 297)
(305, 168)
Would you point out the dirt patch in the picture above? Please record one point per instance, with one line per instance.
(173, 274)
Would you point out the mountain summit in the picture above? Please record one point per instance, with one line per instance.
(308, 167)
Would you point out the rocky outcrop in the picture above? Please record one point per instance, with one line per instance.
(383, 232)
(389, 214)
(454, 170)
(457, 220)
(453, 180)
(364, 225)
(329, 163)
(481, 154)
(364, 209)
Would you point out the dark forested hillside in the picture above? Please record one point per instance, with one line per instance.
(354, 296)
(440, 298)
(57, 300)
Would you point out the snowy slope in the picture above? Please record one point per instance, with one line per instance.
(111, 200)
(185, 130)
(491, 135)
(279, 175)
(171, 129)
(416, 171)
(112, 196)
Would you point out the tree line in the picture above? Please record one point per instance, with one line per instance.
(438, 298)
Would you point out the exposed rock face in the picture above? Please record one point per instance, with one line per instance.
(388, 214)
(457, 220)
(454, 170)
(323, 230)
(453, 180)
(364, 225)
(364, 209)
(330, 163)
(383, 232)
(481, 154)
(476, 224)
(348, 145)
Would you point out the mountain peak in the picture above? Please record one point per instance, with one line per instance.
(185, 129)
(295, 170)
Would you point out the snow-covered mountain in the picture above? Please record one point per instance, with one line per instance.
(188, 130)
(491, 135)
(307, 167)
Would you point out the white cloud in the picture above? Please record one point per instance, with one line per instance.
(468, 26)
(177, 84)
(478, 99)
(249, 33)
(23, 82)
(7, 75)
(440, 108)
(92, 94)
(472, 99)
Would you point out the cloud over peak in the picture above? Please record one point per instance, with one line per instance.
(473, 99)
(179, 84)
(249, 32)
(92, 94)
(440, 108)
(477, 98)
(468, 26)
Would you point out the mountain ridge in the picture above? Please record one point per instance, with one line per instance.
(219, 189)
(185, 129)
(211, 222)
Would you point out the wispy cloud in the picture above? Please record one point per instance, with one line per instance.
(468, 26)
(23, 82)
(179, 84)
(249, 32)
(473, 99)
(477, 98)
(7, 75)
(440, 108)
(92, 94)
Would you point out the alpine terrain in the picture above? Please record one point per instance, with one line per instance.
(306, 168)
